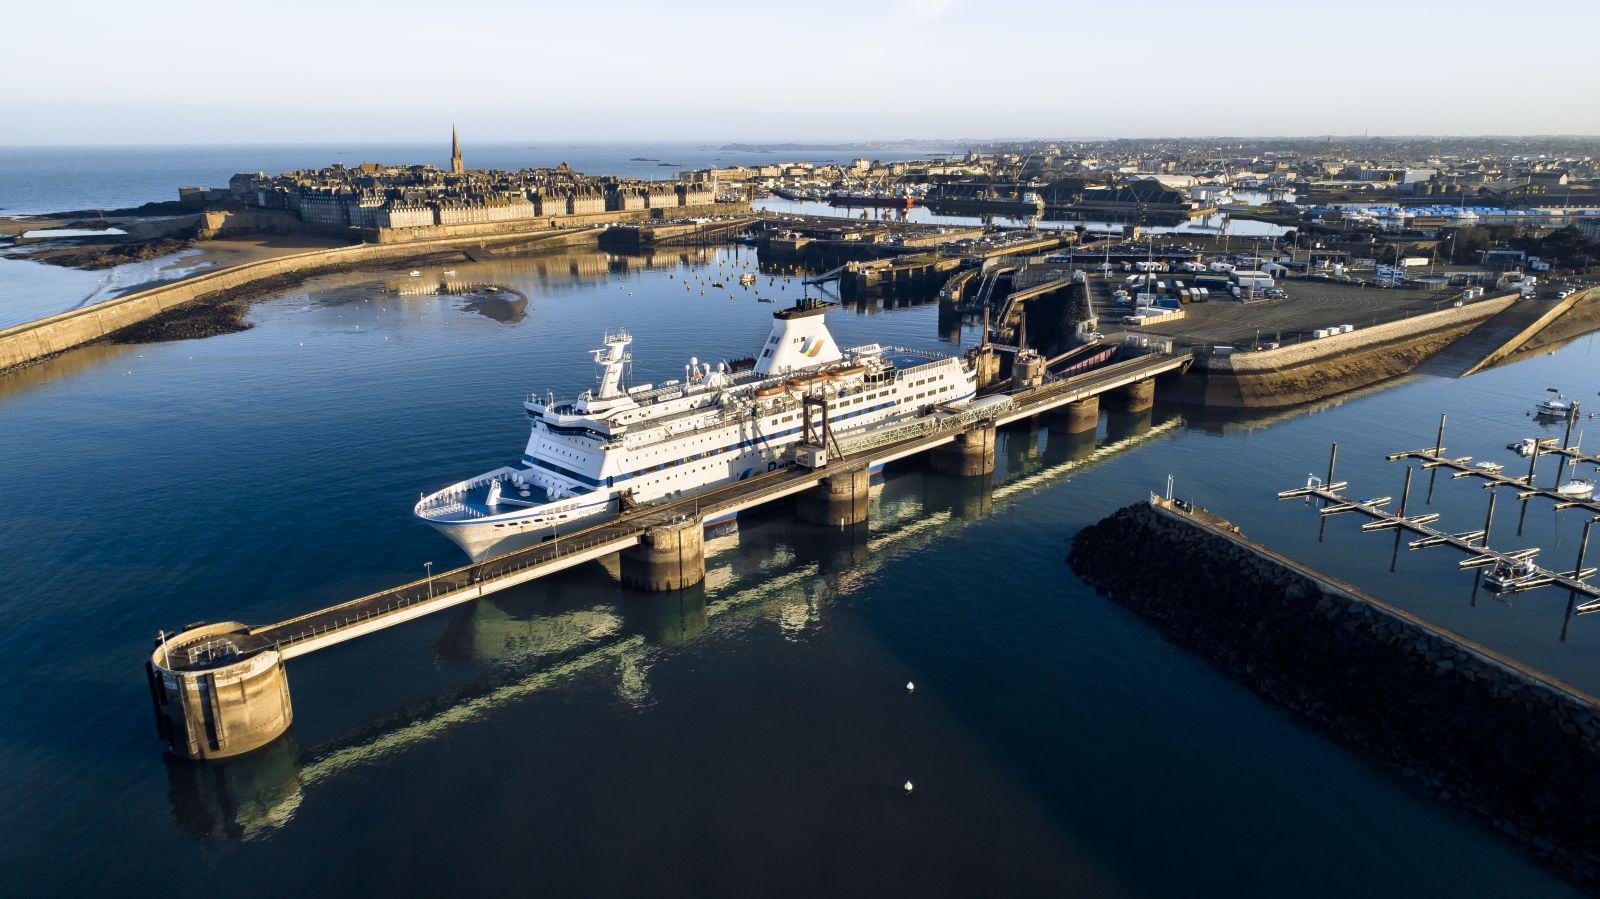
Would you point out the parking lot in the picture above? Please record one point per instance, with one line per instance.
(1306, 306)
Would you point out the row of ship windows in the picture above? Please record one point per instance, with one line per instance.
(793, 416)
(743, 444)
(523, 524)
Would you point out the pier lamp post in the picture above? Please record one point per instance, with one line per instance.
(428, 566)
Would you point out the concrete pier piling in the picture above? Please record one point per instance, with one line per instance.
(1136, 397)
(841, 499)
(1075, 418)
(668, 557)
(987, 363)
(1028, 370)
(972, 453)
(216, 694)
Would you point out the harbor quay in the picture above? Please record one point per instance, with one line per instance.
(221, 689)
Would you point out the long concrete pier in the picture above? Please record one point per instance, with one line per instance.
(221, 689)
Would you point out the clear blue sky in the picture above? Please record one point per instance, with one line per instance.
(179, 71)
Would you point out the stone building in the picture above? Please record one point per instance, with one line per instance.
(552, 203)
(404, 216)
(696, 195)
(325, 208)
(588, 202)
(661, 196)
(624, 199)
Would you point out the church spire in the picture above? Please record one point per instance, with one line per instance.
(455, 152)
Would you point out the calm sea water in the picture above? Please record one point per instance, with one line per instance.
(750, 737)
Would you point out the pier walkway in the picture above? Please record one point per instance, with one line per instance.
(1017, 297)
(336, 624)
(1433, 457)
(221, 689)
(1473, 543)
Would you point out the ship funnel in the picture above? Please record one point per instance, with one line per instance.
(799, 339)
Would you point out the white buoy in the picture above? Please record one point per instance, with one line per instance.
(911, 687)
(908, 788)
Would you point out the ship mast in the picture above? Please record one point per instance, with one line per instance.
(612, 358)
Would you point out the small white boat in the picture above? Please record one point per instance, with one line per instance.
(1556, 406)
(1577, 488)
(1517, 574)
(449, 273)
(415, 273)
(1524, 447)
(1490, 467)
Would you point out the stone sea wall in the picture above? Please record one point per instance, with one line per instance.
(496, 229)
(1516, 747)
(1314, 369)
(27, 343)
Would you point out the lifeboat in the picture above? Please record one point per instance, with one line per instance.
(806, 381)
(769, 390)
(848, 371)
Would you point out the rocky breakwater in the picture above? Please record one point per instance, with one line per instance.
(1518, 748)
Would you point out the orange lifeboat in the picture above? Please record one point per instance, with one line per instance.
(848, 371)
(769, 390)
(806, 381)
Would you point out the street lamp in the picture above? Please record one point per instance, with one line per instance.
(429, 567)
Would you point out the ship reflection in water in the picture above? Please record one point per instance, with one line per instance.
(547, 634)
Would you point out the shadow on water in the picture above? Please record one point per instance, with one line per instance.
(65, 365)
(546, 634)
(237, 799)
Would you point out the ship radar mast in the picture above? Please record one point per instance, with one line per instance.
(612, 357)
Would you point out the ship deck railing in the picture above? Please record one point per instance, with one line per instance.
(453, 499)
(933, 355)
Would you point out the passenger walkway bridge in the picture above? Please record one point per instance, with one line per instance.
(221, 689)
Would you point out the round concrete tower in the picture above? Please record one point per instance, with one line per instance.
(218, 691)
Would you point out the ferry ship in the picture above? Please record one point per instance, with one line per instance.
(615, 446)
(883, 199)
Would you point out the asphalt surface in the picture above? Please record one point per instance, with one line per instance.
(1307, 306)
